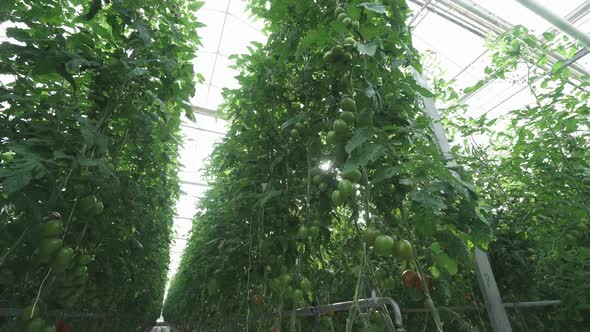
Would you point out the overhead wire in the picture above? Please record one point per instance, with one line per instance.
(418, 15)
(218, 48)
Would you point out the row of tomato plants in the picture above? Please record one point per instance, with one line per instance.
(90, 117)
(329, 185)
(531, 164)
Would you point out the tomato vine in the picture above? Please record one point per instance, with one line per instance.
(89, 134)
(329, 173)
(532, 166)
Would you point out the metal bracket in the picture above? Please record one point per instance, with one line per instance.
(367, 303)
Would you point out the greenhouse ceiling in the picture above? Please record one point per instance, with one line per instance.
(454, 31)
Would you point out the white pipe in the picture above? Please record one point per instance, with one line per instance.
(557, 21)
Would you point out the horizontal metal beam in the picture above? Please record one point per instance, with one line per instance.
(203, 129)
(556, 21)
(200, 184)
(362, 303)
(509, 305)
(208, 112)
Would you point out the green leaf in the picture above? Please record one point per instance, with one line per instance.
(384, 173)
(363, 155)
(447, 263)
(360, 136)
(26, 166)
(430, 201)
(548, 36)
(369, 49)
(473, 88)
(423, 91)
(268, 196)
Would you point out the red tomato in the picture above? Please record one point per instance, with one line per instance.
(61, 326)
(409, 278)
(428, 282)
(258, 299)
(469, 297)
(273, 329)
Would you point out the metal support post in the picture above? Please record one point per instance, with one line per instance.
(490, 293)
(485, 276)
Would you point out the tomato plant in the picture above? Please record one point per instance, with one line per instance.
(532, 169)
(90, 119)
(327, 133)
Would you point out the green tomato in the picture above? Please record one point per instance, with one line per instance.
(98, 208)
(389, 283)
(294, 133)
(348, 57)
(88, 203)
(336, 197)
(317, 179)
(48, 247)
(80, 271)
(339, 10)
(35, 325)
(380, 274)
(370, 235)
(384, 245)
(356, 26)
(323, 187)
(345, 187)
(302, 232)
(340, 126)
(286, 279)
(316, 171)
(354, 175)
(349, 41)
(403, 250)
(297, 296)
(341, 17)
(347, 22)
(275, 283)
(328, 56)
(305, 285)
(337, 49)
(83, 259)
(347, 104)
(299, 126)
(332, 137)
(62, 259)
(52, 228)
(314, 231)
(348, 117)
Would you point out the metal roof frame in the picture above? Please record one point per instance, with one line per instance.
(481, 22)
(476, 19)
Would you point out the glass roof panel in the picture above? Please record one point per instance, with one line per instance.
(456, 46)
